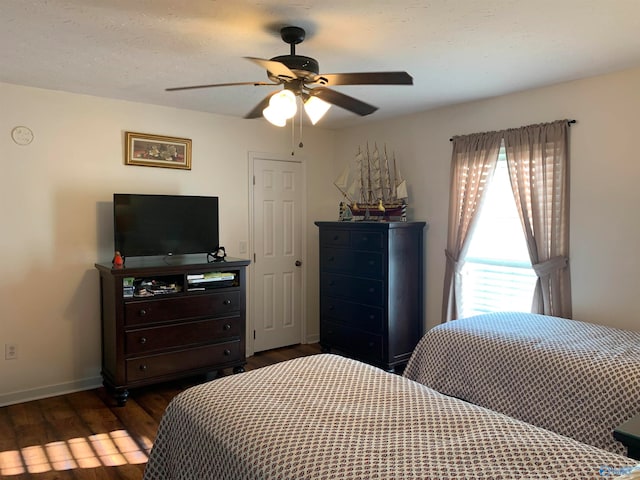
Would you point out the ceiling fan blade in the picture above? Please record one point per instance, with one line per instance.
(365, 78)
(277, 69)
(343, 101)
(264, 103)
(173, 89)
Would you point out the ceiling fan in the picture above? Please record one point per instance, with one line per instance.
(300, 77)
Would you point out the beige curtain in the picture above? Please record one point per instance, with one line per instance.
(472, 165)
(537, 156)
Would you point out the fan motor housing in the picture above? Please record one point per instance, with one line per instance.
(303, 67)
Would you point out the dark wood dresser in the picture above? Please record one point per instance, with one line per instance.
(194, 323)
(372, 290)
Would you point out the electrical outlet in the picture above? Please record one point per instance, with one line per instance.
(243, 247)
(10, 351)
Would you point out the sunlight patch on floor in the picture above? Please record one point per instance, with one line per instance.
(102, 449)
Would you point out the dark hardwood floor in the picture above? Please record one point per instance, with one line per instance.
(84, 435)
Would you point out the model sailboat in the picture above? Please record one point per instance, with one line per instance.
(371, 188)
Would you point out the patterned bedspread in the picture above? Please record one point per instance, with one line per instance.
(328, 417)
(578, 379)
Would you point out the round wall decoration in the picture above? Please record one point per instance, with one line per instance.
(22, 135)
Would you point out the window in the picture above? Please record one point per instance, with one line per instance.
(538, 160)
(497, 273)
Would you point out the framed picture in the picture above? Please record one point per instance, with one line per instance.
(157, 151)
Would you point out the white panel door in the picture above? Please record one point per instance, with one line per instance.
(277, 240)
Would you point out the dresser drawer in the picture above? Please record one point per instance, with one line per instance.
(360, 290)
(342, 260)
(337, 260)
(145, 340)
(367, 241)
(143, 368)
(185, 307)
(356, 342)
(336, 238)
(369, 264)
(362, 317)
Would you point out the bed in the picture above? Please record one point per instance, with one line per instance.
(329, 417)
(578, 379)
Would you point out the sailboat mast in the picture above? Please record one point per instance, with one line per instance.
(370, 198)
(378, 175)
(394, 185)
(388, 190)
(363, 179)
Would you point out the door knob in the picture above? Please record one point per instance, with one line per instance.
(298, 263)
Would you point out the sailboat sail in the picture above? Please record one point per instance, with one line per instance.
(401, 190)
(400, 183)
(376, 176)
(342, 182)
(353, 190)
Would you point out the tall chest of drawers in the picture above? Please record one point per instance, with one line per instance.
(372, 289)
(196, 327)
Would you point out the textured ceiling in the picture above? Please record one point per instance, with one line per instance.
(456, 50)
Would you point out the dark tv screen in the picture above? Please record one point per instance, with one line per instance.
(147, 225)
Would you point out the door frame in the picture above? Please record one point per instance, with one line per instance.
(278, 157)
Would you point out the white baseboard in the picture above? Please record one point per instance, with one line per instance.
(49, 391)
(313, 338)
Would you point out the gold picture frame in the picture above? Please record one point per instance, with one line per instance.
(150, 150)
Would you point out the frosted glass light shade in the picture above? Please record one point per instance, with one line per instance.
(316, 108)
(273, 117)
(284, 103)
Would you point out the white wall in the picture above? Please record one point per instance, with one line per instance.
(605, 172)
(56, 216)
(56, 203)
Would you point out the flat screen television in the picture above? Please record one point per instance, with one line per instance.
(150, 225)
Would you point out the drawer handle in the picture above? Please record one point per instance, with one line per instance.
(336, 237)
(226, 302)
(331, 258)
(142, 340)
(371, 289)
(371, 344)
(227, 352)
(371, 262)
(372, 316)
(143, 368)
(365, 239)
(226, 327)
(142, 312)
(332, 307)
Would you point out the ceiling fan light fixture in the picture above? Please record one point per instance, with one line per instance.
(316, 108)
(273, 116)
(284, 103)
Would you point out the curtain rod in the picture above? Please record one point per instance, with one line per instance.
(568, 121)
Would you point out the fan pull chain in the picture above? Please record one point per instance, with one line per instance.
(293, 128)
(301, 119)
